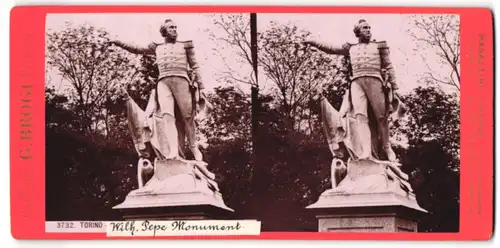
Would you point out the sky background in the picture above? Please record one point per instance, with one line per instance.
(338, 28)
(142, 29)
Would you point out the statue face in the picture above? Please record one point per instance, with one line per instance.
(171, 30)
(365, 32)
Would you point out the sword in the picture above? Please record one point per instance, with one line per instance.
(393, 100)
(388, 92)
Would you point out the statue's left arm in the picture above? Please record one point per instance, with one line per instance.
(387, 64)
(193, 63)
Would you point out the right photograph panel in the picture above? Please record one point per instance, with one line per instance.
(359, 122)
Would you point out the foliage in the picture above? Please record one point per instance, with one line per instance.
(297, 72)
(433, 155)
(230, 146)
(82, 56)
(88, 151)
(230, 116)
(85, 174)
(434, 116)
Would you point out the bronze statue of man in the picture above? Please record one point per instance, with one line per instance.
(368, 87)
(177, 88)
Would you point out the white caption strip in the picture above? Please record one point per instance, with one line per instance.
(157, 228)
(183, 228)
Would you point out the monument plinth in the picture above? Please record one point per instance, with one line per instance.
(178, 190)
(374, 196)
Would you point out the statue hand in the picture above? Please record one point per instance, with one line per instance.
(394, 88)
(309, 42)
(110, 43)
(306, 42)
(113, 42)
(202, 93)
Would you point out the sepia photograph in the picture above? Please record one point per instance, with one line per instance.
(361, 115)
(147, 116)
(304, 122)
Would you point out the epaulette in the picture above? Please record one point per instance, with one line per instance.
(152, 45)
(187, 44)
(382, 44)
(348, 45)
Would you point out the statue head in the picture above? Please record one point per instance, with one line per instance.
(362, 30)
(169, 30)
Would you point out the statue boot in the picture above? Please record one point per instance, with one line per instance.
(383, 124)
(391, 156)
(198, 156)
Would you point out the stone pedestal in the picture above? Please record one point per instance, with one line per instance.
(375, 212)
(179, 190)
(373, 197)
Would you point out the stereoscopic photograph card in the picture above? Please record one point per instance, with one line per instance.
(203, 122)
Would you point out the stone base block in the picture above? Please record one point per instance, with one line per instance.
(378, 219)
(373, 212)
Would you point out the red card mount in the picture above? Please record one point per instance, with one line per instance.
(77, 134)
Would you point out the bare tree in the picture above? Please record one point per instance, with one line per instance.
(438, 34)
(297, 73)
(237, 38)
(81, 55)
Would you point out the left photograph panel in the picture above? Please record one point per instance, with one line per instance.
(148, 116)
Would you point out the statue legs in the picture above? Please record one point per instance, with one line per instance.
(367, 91)
(360, 126)
(363, 136)
(383, 125)
(165, 137)
(180, 132)
(176, 90)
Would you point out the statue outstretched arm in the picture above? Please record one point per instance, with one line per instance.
(193, 64)
(329, 48)
(387, 64)
(149, 50)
